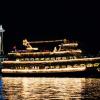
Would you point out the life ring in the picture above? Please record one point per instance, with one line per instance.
(82, 65)
(96, 64)
(89, 65)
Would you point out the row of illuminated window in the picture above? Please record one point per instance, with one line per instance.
(58, 66)
(46, 59)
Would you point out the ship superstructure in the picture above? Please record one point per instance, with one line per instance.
(64, 58)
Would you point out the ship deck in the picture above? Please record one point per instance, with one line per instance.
(52, 61)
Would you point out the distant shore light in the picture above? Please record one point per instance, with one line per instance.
(1, 29)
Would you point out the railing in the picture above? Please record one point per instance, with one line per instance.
(46, 41)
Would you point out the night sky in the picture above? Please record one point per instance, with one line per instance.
(78, 21)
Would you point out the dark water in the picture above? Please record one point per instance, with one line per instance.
(33, 88)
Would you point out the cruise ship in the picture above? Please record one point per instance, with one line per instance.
(65, 59)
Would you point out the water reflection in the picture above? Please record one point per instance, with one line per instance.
(1, 96)
(50, 88)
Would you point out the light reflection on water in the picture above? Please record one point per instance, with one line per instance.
(17, 88)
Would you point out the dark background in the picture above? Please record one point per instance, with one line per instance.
(42, 20)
